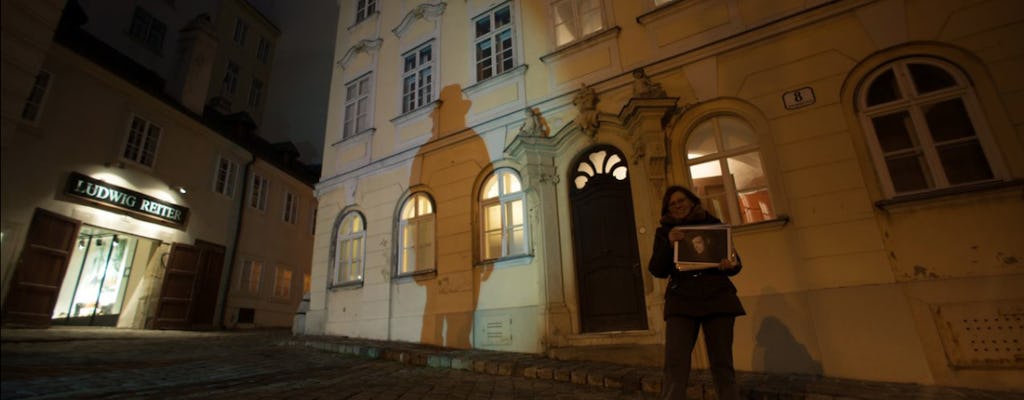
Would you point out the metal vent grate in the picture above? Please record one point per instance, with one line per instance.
(982, 335)
(498, 329)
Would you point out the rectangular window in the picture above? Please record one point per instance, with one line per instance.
(241, 30)
(417, 78)
(282, 282)
(357, 107)
(493, 43)
(147, 30)
(575, 19)
(34, 102)
(249, 278)
(305, 284)
(255, 93)
(224, 178)
(231, 78)
(290, 208)
(143, 137)
(258, 193)
(365, 8)
(263, 51)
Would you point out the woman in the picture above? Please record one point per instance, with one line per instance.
(694, 299)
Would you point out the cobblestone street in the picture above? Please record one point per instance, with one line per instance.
(234, 365)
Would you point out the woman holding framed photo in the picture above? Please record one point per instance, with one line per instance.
(694, 297)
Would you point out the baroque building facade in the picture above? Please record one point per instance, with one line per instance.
(493, 176)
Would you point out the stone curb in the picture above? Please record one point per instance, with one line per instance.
(628, 378)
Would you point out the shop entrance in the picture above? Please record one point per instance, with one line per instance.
(97, 278)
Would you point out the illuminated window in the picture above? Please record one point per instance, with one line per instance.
(726, 171)
(282, 282)
(922, 123)
(600, 163)
(225, 176)
(348, 262)
(249, 278)
(503, 215)
(357, 107)
(493, 42)
(147, 30)
(575, 19)
(417, 78)
(416, 235)
(290, 210)
(143, 137)
(305, 284)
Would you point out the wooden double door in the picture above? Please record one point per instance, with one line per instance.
(188, 296)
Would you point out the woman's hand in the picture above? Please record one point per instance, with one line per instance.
(675, 235)
(728, 263)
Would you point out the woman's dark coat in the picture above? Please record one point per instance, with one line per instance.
(698, 293)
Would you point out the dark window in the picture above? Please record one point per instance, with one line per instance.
(148, 30)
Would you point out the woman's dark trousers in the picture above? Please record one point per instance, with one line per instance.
(680, 337)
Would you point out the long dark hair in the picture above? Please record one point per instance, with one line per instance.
(673, 189)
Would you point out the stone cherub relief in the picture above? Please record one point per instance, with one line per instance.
(644, 87)
(533, 124)
(586, 104)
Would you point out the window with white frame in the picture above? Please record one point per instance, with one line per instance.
(225, 177)
(417, 78)
(258, 192)
(503, 215)
(249, 276)
(231, 78)
(143, 138)
(255, 93)
(365, 8)
(924, 127)
(351, 247)
(34, 102)
(493, 45)
(726, 170)
(357, 107)
(575, 19)
(282, 282)
(416, 235)
(241, 30)
(148, 30)
(290, 212)
(263, 51)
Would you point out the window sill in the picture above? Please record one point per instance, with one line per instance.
(517, 259)
(761, 226)
(351, 285)
(496, 80)
(579, 45)
(902, 202)
(415, 113)
(658, 12)
(416, 275)
(361, 135)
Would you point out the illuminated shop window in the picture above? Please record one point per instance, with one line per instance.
(416, 235)
(503, 215)
(350, 250)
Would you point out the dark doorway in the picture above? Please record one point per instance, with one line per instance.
(608, 275)
(40, 269)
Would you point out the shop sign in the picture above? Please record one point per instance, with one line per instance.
(112, 196)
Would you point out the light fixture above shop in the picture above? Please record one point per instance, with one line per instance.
(180, 189)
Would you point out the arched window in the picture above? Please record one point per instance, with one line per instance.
(350, 250)
(503, 215)
(723, 155)
(923, 129)
(416, 235)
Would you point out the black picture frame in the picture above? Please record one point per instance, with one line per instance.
(715, 241)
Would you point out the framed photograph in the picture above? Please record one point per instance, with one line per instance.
(702, 246)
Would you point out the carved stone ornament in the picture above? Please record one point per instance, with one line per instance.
(364, 46)
(421, 11)
(532, 124)
(644, 87)
(586, 103)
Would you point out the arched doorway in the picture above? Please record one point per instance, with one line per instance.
(608, 273)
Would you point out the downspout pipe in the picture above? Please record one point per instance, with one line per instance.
(237, 239)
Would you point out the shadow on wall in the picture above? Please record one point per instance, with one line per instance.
(449, 173)
(776, 349)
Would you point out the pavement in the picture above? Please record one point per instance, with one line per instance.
(92, 362)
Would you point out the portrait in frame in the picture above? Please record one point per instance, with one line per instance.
(703, 246)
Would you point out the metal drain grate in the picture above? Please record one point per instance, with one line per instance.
(983, 334)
